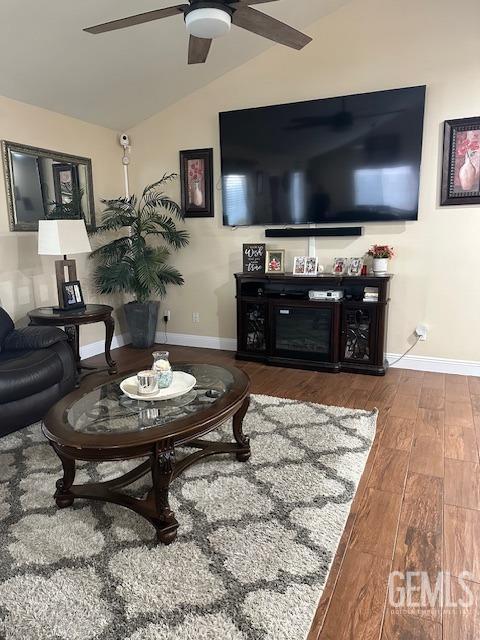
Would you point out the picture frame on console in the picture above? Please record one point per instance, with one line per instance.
(355, 266)
(305, 266)
(196, 179)
(275, 261)
(340, 266)
(461, 162)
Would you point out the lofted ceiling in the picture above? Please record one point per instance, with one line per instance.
(118, 79)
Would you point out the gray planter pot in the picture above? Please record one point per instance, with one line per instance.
(142, 322)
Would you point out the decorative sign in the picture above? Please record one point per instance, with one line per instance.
(253, 258)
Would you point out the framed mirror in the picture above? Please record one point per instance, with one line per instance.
(46, 185)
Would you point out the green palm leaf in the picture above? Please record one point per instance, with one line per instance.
(113, 251)
(165, 179)
(156, 201)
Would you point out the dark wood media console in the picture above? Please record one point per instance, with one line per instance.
(278, 324)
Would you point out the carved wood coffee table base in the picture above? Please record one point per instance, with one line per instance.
(161, 465)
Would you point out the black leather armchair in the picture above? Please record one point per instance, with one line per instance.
(37, 368)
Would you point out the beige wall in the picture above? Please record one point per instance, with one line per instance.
(26, 279)
(368, 45)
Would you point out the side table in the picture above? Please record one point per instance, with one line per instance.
(71, 320)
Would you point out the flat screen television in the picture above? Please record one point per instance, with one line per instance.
(349, 159)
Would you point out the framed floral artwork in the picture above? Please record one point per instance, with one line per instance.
(196, 177)
(461, 162)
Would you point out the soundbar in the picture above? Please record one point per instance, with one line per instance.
(303, 232)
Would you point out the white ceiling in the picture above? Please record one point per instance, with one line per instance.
(118, 79)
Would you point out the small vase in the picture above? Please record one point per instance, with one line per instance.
(380, 266)
(162, 368)
(197, 196)
(467, 175)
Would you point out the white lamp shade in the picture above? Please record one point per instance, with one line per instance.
(62, 237)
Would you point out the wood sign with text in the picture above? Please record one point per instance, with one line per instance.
(253, 258)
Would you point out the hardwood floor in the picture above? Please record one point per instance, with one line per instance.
(417, 507)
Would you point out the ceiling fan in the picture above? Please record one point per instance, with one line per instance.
(209, 19)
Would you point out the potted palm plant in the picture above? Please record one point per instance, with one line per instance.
(130, 264)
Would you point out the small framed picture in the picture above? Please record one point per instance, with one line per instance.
(305, 266)
(355, 266)
(339, 266)
(311, 266)
(275, 261)
(72, 295)
(299, 266)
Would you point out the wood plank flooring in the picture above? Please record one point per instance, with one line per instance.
(418, 504)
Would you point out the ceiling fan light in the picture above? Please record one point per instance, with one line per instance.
(208, 23)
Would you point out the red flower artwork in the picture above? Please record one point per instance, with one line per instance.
(467, 166)
(196, 170)
(465, 145)
(196, 182)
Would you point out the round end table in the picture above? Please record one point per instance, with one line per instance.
(71, 320)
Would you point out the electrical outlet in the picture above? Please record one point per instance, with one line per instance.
(421, 331)
(195, 317)
(166, 316)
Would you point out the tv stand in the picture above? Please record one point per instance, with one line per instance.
(278, 324)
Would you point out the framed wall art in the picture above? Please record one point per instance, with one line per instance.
(461, 162)
(196, 177)
(66, 182)
(46, 185)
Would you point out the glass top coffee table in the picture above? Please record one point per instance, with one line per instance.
(99, 423)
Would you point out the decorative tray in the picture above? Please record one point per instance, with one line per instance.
(182, 383)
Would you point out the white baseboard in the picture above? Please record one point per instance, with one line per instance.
(417, 363)
(95, 348)
(436, 365)
(205, 342)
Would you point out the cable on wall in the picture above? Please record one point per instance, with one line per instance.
(406, 352)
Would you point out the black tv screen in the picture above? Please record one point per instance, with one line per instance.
(349, 159)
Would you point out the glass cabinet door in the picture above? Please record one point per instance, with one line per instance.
(359, 334)
(254, 327)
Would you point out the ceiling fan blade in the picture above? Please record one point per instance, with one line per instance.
(198, 49)
(140, 18)
(268, 27)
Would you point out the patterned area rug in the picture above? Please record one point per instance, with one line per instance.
(255, 543)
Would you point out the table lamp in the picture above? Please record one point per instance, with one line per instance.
(60, 238)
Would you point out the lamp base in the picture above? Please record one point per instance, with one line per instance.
(62, 266)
